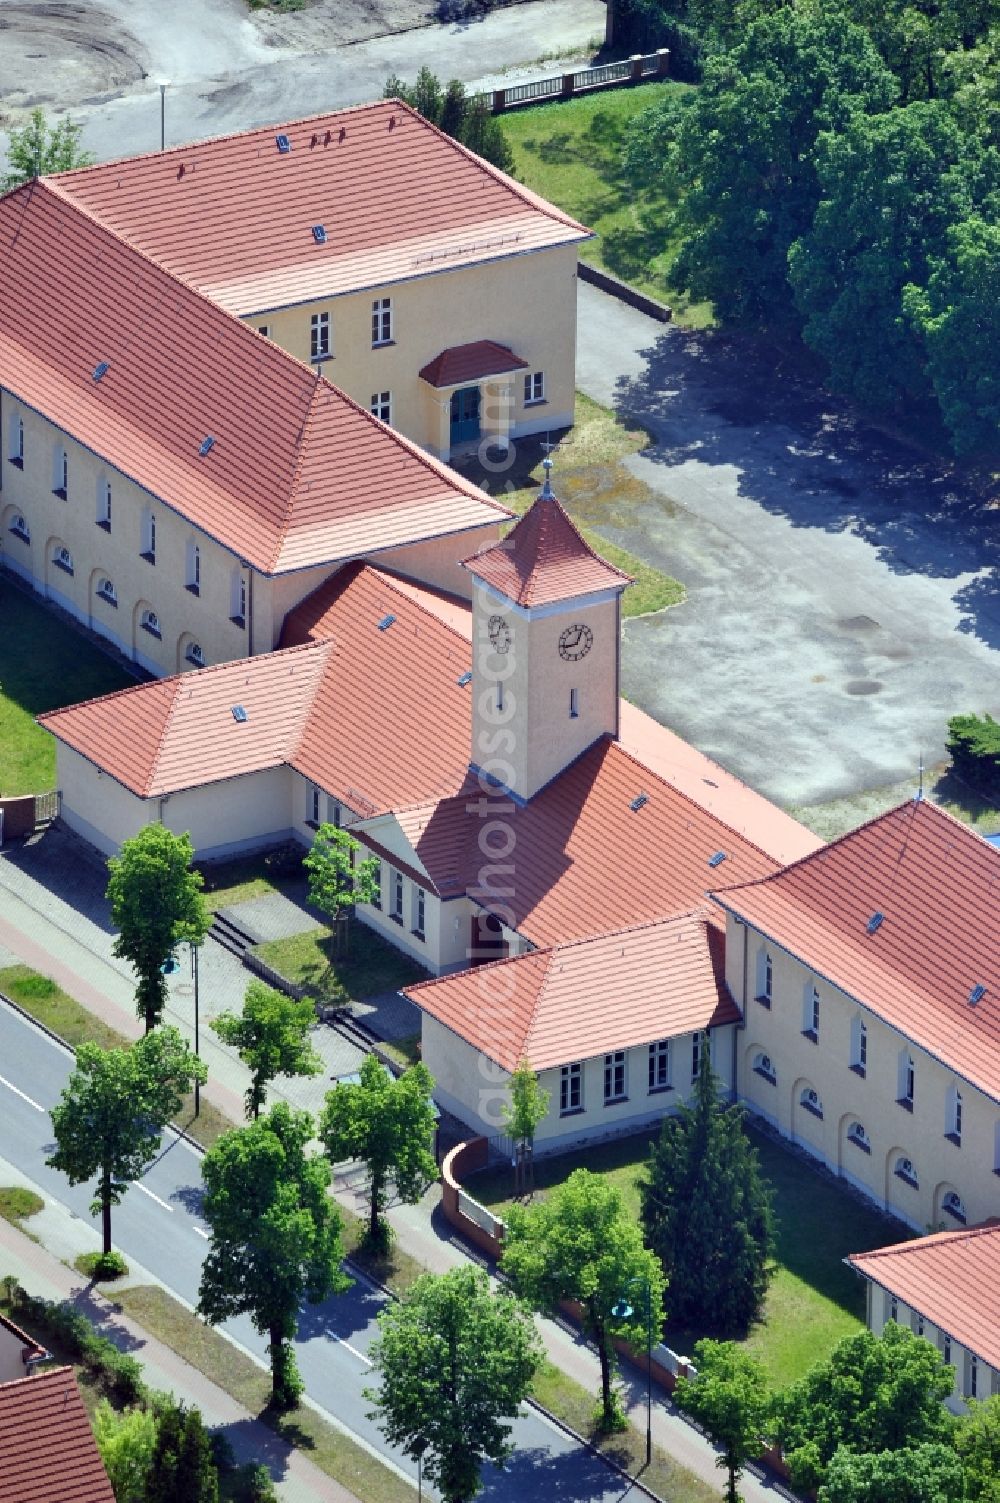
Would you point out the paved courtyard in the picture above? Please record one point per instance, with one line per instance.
(843, 592)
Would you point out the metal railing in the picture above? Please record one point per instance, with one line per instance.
(589, 78)
(581, 81)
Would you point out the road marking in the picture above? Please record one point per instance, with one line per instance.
(21, 1094)
(159, 1202)
(202, 1232)
(354, 1351)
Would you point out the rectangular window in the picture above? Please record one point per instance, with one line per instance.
(534, 388)
(381, 406)
(377, 874)
(193, 582)
(315, 804)
(264, 330)
(319, 336)
(614, 1077)
(60, 473)
(238, 598)
(381, 322)
(499, 697)
(104, 504)
(397, 897)
(859, 1047)
(570, 1089)
(907, 1081)
(810, 1017)
(15, 451)
(696, 1039)
(419, 911)
(946, 1348)
(765, 977)
(149, 538)
(659, 1065)
(574, 704)
(972, 1384)
(893, 1307)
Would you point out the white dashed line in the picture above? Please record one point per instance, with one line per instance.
(159, 1202)
(21, 1094)
(354, 1351)
(202, 1232)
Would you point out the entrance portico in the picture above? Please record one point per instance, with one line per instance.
(470, 396)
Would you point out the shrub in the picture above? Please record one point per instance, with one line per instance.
(974, 744)
(100, 1266)
(120, 1374)
(37, 986)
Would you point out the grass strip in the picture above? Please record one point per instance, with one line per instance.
(371, 966)
(18, 1203)
(397, 1269)
(235, 1373)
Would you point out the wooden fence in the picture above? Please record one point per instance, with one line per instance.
(641, 67)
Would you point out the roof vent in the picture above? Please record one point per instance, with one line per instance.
(875, 922)
(717, 859)
(638, 801)
(101, 369)
(385, 623)
(240, 715)
(206, 445)
(466, 678)
(283, 144)
(319, 234)
(976, 995)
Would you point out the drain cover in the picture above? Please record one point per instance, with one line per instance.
(863, 686)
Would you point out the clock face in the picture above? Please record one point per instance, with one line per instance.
(575, 643)
(499, 633)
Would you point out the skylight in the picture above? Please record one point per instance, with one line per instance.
(385, 623)
(466, 678)
(875, 922)
(283, 144)
(638, 801)
(319, 234)
(240, 715)
(206, 444)
(717, 859)
(101, 369)
(976, 995)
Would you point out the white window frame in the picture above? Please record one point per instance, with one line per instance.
(106, 591)
(381, 406)
(320, 336)
(104, 503)
(574, 704)
(149, 621)
(314, 806)
(859, 1138)
(377, 899)
(194, 655)
(264, 331)
(659, 1066)
(382, 321)
(571, 1089)
(534, 388)
(954, 1206)
(810, 1011)
(60, 472)
(396, 892)
(15, 446)
(859, 1045)
(418, 907)
(63, 559)
(905, 1170)
(697, 1043)
(906, 1081)
(615, 1077)
(763, 1065)
(954, 1114)
(148, 549)
(811, 1101)
(238, 598)
(192, 570)
(765, 976)
(19, 527)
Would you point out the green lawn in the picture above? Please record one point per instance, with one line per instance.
(244, 877)
(570, 152)
(45, 664)
(813, 1300)
(370, 967)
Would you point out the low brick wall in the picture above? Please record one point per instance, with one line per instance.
(465, 1159)
(624, 292)
(17, 817)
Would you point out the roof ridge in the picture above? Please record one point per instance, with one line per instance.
(902, 1249)
(326, 649)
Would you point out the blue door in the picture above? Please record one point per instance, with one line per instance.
(465, 415)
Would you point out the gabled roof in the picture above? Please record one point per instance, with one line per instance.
(936, 885)
(181, 732)
(574, 1001)
(544, 558)
(471, 362)
(950, 1278)
(396, 198)
(47, 1449)
(297, 473)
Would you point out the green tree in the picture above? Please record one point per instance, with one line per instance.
(528, 1105)
(454, 108)
(484, 135)
(156, 903)
(38, 148)
(337, 879)
(891, 186)
(580, 1244)
(389, 1125)
(454, 1360)
(271, 1037)
(873, 1393)
(958, 316)
(746, 155)
(730, 1401)
(919, 1474)
(182, 1462)
(125, 1440)
(110, 1117)
(706, 1210)
(974, 744)
(275, 1235)
(977, 1441)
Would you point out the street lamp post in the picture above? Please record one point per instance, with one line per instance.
(163, 86)
(622, 1311)
(194, 973)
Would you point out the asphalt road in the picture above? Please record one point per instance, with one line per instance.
(159, 1225)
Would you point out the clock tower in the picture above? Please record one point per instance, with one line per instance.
(546, 621)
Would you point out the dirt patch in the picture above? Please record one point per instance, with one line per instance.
(331, 23)
(50, 53)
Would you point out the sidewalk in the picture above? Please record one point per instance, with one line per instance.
(296, 1479)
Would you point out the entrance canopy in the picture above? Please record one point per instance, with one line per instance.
(471, 362)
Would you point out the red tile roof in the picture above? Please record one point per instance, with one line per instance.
(471, 362)
(47, 1449)
(544, 558)
(298, 473)
(936, 883)
(397, 199)
(574, 1001)
(950, 1279)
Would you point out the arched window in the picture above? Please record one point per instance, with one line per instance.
(107, 592)
(63, 559)
(19, 527)
(15, 448)
(151, 622)
(953, 1206)
(810, 1102)
(195, 655)
(762, 1066)
(905, 1171)
(104, 503)
(856, 1134)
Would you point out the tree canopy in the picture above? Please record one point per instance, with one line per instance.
(454, 1362)
(580, 1244)
(389, 1125)
(156, 903)
(977, 1441)
(919, 1474)
(337, 878)
(271, 1037)
(706, 1210)
(110, 1117)
(275, 1235)
(38, 148)
(528, 1106)
(466, 119)
(730, 1400)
